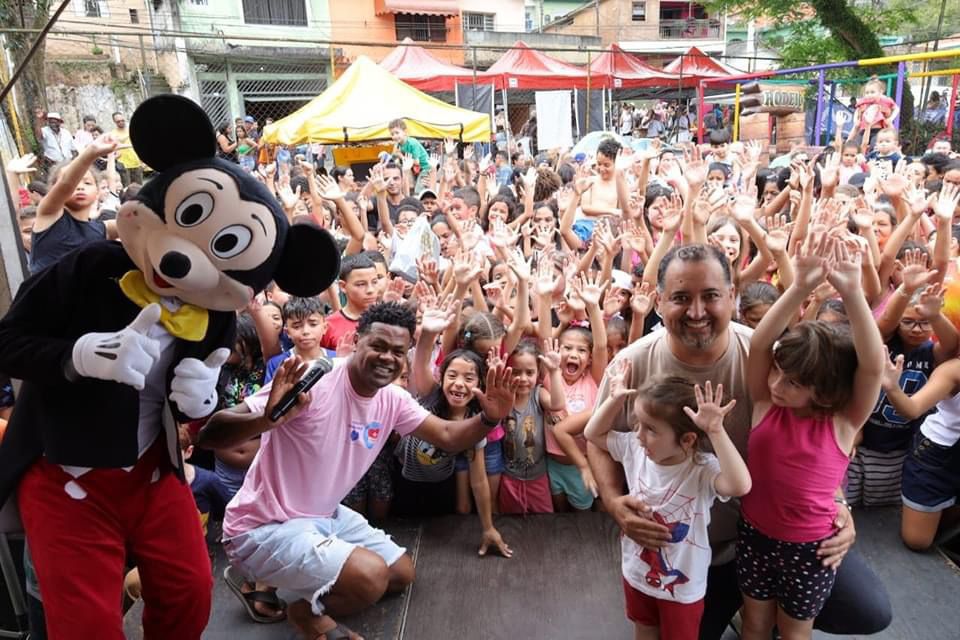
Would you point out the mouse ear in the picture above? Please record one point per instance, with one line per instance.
(310, 262)
(167, 130)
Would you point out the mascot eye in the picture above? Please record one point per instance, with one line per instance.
(231, 241)
(194, 209)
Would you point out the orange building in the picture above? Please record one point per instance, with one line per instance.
(428, 22)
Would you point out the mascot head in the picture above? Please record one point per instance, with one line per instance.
(205, 231)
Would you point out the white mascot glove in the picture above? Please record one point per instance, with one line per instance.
(194, 386)
(125, 356)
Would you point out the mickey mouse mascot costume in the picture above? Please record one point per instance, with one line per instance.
(117, 342)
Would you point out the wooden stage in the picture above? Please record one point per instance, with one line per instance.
(564, 582)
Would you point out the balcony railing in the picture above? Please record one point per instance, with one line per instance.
(683, 29)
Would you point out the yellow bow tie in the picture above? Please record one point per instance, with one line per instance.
(186, 321)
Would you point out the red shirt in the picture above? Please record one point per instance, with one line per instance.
(338, 324)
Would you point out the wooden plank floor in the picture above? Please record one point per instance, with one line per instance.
(564, 582)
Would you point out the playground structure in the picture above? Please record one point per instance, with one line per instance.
(821, 81)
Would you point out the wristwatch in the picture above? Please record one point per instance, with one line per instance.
(487, 422)
(841, 500)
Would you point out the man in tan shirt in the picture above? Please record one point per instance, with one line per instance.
(700, 342)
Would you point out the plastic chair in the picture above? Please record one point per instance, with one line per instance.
(12, 528)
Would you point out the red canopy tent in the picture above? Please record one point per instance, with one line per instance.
(621, 70)
(696, 65)
(422, 70)
(523, 68)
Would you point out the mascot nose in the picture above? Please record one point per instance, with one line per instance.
(175, 265)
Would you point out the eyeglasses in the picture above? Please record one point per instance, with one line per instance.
(910, 325)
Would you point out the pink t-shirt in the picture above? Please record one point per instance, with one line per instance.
(305, 467)
(581, 395)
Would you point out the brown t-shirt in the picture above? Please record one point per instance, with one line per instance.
(651, 356)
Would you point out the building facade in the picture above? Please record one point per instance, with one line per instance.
(656, 28)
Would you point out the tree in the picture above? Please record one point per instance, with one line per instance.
(854, 30)
(31, 86)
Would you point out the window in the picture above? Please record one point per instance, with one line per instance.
(421, 28)
(278, 12)
(134, 17)
(638, 11)
(91, 8)
(477, 21)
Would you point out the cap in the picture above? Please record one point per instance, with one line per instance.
(428, 193)
(249, 120)
(857, 180)
(621, 280)
(54, 115)
(580, 157)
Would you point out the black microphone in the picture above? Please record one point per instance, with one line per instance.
(319, 368)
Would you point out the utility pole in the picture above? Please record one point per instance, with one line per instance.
(596, 14)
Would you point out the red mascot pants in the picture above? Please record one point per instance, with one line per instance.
(79, 546)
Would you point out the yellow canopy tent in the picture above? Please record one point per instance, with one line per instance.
(361, 103)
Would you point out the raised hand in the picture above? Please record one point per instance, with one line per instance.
(376, 179)
(841, 118)
(551, 355)
(892, 371)
(407, 162)
(811, 264)
(427, 270)
(946, 203)
(394, 290)
(710, 413)
(485, 163)
(590, 291)
(439, 315)
(778, 233)
(830, 171)
(328, 188)
(101, 146)
(449, 146)
(470, 234)
(291, 371)
(468, 152)
(914, 269)
(466, 267)
(744, 208)
(618, 379)
(501, 392)
(844, 274)
(521, 267)
(696, 170)
(547, 280)
(23, 164)
(501, 235)
(603, 236)
(673, 215)
(347, 344)
(644, 296)
(529, 180)
(931, 301)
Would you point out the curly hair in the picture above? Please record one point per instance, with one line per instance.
(548, 183)
(397, 314)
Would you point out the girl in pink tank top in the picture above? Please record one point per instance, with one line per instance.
(812, 390)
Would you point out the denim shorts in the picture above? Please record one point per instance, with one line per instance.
(306, 555)
(931, 475)
(492, 459)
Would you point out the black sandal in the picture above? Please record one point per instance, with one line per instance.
(235, 581)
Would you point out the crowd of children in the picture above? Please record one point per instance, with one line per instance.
(553, 265)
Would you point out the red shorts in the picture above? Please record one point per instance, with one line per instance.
(525, 496)
(676, 620)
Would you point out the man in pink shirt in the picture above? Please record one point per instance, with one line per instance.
(286, 526)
